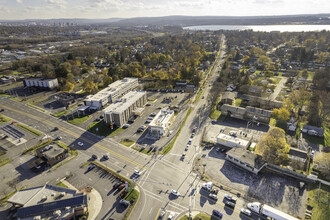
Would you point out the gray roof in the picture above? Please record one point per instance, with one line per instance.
(247, 157)
(259, 111)
(232, 108)
(320, 131)
(297, 152)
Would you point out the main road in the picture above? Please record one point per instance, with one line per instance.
(160, 174)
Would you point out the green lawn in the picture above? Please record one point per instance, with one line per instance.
(61, 113)
(29, 129)
(4, 119)
(127, 142)
(319, 201)
(103, 129)
(198, 96)
(60, 184)
(78, 120)
(215, 114)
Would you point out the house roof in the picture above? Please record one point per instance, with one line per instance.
(320, 131)
(259, 111)
(233, 109)
(297, 152)
(247, 157)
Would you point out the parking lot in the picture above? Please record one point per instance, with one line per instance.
(104, 183)
(272, 189)
(156, 102)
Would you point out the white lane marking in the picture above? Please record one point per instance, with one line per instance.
(150, 211)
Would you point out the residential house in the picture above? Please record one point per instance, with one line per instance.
(228, 98)
(313, 131)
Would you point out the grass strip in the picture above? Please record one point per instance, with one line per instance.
(4, 119)
(4, 161)
(168, 147)
(127, 142)
(78, 120)
(29, 129)
(61, 184)
(319, 200)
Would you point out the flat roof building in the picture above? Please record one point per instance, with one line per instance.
(119, 112)
(161, 122)
(51, 202)
(114, 91)
(41, 83)
(234, 139)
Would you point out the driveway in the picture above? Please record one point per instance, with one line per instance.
(278, 89)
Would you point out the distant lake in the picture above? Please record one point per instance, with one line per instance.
(266, 28)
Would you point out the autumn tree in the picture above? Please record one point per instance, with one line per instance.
(273, 146)
(322, 162)
(281, 114)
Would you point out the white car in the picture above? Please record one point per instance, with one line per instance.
(230, 198)
(137, 173)
(170, 216)
(213, 196)
(246, 212)
(175, 193)
(207, 186)
(80, 144)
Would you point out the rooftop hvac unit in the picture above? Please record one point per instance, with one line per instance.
(44, 198)
(38, 217)
(63, 193)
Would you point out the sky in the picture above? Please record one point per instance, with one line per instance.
(98, 9)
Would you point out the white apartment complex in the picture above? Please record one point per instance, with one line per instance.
(160, 124)
(114, 91)
(41, 83)
(119, 112)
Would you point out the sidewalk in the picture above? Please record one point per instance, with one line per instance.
(94, 203)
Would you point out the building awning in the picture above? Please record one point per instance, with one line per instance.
(84, 108)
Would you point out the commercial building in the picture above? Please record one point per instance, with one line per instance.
(161, 122)
(41, 83)
(119, 112)
(246, 159)
(49, 202)
(52, 153)
(114, 91)
(233, 140)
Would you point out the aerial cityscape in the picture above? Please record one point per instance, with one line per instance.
(182, 110)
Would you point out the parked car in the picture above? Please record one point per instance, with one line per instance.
(148, 104)
(207, 186)
(106, 157)
(182, 157)
(94, 156)
(213, 196)
(58, 138)
(187, 147)
(217, 213)
(80, 144)
(171, 216)
(55, 129)
(1, 110)
(175, 193)
(246, 212)
(117, 184)
(137, 173)
(124, 202)
(161, 214)
(91, 167)
(230, 198)
(120, 187)
(230, 204)
(126, 126)
(153, 114)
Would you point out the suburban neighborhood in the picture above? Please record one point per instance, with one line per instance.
(162, 122)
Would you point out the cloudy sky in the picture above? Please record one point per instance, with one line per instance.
(43, 9)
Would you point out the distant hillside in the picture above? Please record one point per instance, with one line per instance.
(190, 20)
(227, 20)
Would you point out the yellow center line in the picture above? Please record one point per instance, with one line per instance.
(76, 136)
(157, 214)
